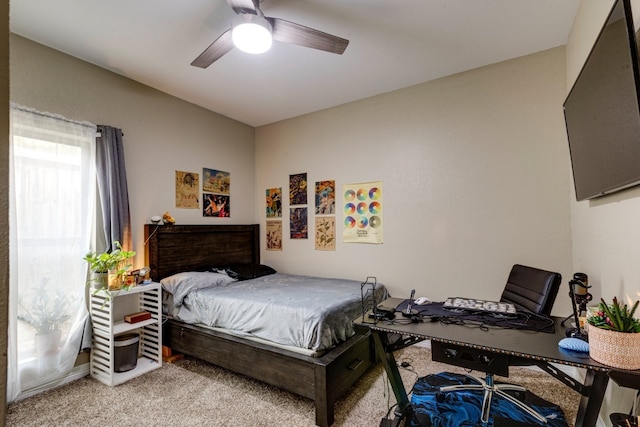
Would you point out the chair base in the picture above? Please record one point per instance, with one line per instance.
(490, 388)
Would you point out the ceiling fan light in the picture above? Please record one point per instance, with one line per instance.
(252, 34)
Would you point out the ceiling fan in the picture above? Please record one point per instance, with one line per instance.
(249, 15)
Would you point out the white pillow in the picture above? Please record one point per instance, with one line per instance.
(179, 285)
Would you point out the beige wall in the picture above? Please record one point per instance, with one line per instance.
(161, 133)
(475, 172)
(605, 231)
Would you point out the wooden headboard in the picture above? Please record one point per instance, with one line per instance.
(172, 249)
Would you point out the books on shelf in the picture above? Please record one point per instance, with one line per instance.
(137, 317)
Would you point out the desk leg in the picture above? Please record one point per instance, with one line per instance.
(591, 402)
(391, 367)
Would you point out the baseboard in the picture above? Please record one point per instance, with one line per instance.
(76, 373)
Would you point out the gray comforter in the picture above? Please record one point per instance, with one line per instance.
(302, 311)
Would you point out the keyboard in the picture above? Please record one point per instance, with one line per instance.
(478, 305)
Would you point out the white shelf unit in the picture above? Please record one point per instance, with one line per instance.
(107, 316)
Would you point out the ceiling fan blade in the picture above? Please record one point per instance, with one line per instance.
(244, 6)
(215, 51)
(289, 32)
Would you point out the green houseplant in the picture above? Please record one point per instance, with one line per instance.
(614, 335)
(616, 317)
(46, 310)
(109, 268)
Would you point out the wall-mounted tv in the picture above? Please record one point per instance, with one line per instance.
(601, 111)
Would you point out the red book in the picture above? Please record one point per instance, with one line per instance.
(137, 317)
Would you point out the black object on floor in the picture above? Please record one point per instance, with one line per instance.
(623, 420)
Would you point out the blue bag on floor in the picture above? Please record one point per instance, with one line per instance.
(463, 408)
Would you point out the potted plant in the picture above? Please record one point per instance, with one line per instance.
(48, 308)
(108, 268)
(614, 335)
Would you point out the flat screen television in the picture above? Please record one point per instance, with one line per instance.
(601, 111)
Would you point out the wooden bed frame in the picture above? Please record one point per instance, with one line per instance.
(172, 249)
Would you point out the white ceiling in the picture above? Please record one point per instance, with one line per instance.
(393, 44)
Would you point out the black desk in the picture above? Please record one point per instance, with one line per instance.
(510, 347)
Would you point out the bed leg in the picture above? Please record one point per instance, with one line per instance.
(324, 414)
(324, 402)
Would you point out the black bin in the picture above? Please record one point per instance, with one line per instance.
(125, 352)
(623, 420)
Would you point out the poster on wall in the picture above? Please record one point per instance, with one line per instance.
(187, 190)
(274, 235)
(325, 233)
(298, 228)
(362, 207)
(216, 187)
(215, 181)
(274, 202)
(298, 189)
(325, 197)
(216, 205)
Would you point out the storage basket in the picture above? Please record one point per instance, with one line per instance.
(125, 350)
(613, 348)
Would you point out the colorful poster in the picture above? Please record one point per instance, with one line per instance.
(362, 209)
(298, 189)
(325, 197)
(216, 205)
(187, 190)
(215, 181)
(274, 235)
(298, 228)
(325, 233)
(274, 202)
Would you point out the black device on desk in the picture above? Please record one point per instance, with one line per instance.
(580, 296)
(383, 312)
(409, 311)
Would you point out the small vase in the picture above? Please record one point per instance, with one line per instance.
(99, 280)
(613, 348)
(47, 343)
(115, 281)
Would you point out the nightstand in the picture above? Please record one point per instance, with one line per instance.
(108, 310)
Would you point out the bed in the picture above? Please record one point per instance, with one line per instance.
(322, 377)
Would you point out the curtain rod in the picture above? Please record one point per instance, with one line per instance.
(99, 133)
(52, 116)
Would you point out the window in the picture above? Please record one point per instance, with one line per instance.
(52, 208)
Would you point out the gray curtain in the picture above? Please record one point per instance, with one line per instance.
(112, 186)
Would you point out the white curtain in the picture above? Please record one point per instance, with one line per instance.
(52, 206)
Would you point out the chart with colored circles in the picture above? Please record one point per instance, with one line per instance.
(362, 209)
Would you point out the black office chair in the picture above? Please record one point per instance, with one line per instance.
(532, 289)
(529, 289)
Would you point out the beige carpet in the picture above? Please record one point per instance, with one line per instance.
(194, 393)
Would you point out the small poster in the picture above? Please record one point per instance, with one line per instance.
(325, 233)
(274, 235)
(298, 223)
(216, 205)
(215, 181)
(325, 197)
(298, 189)
(187, 190)
(274, 202)
(362, 207)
